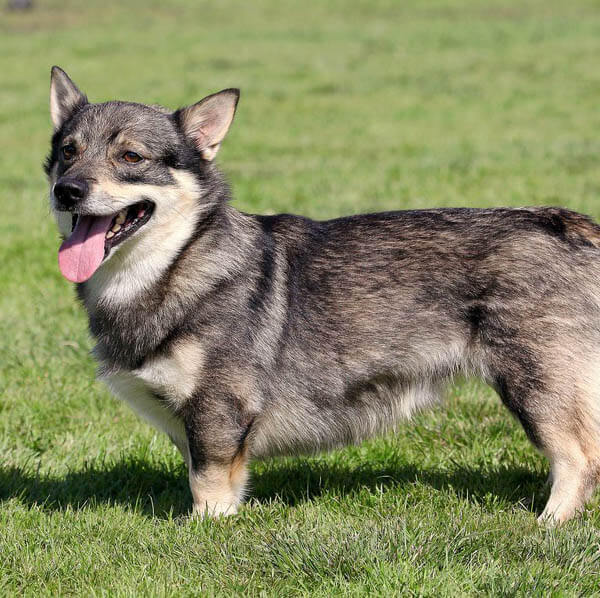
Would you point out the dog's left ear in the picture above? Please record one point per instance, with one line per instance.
(207, 122)
(65, 97)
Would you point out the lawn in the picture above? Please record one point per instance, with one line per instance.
(346, 107)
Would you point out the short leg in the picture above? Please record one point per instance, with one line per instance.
(574, 481)
(574, 457)
(218, 462)
(560, 415)
(218, 488)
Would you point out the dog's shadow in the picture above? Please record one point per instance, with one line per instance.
(139, 485)
(164, 493)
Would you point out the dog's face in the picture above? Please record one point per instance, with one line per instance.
(126, 177)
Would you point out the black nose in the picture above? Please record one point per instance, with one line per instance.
(70, 191)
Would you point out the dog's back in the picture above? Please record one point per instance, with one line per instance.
(380, 309)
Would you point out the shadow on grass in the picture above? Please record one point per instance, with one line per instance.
(303, 480)
(135, 484)
(163, 492)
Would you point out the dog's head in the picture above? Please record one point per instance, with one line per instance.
(125, 177)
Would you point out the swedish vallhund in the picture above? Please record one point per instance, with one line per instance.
(245, 336)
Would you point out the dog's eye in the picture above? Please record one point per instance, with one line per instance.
(132, 157)
(68, 151)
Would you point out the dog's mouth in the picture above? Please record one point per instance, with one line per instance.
(93, 237)
(124, 224)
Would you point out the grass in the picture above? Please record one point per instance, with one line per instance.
(346, 107)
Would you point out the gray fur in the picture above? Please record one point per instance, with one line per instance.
(267, 335)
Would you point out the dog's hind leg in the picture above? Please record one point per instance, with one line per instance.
(574, 479)
(571, 441)
(562, 418)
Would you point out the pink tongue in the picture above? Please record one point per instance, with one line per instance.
(80, 255)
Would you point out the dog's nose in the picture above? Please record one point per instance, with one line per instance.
(70, 191)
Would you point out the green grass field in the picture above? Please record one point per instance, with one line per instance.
(346, 107)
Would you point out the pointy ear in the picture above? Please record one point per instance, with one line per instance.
(207, 122)
(65, 97)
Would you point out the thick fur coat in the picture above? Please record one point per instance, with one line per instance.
(245, 336)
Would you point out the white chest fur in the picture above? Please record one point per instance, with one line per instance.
(173, 377)
(146, 404)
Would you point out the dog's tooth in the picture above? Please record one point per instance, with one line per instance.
(110, 234)
(116, 228)
(121, 216)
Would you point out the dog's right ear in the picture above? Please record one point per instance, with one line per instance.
(207, 122)
(65, 97)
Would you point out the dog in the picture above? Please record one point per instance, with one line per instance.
(243, 336)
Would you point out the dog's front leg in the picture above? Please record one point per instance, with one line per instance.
(218, 460)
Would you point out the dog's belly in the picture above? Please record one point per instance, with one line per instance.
(131, 388)
(299, 426)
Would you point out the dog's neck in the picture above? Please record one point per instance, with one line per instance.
(135, 304)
